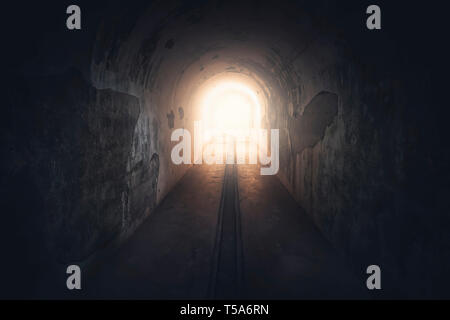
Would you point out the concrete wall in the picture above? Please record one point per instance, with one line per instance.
(86, 158)
(351, 158)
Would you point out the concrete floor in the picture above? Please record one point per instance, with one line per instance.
(286, 257)
(171, 255)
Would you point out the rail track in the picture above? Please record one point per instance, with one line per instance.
(226, 278)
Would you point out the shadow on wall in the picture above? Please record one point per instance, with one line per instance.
(90, 170)
(309, 128)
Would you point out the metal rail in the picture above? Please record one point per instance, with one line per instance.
(226, 279)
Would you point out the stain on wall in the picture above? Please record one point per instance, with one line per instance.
(181, 113)
(171, 119)
(169, 44)
(309, 128)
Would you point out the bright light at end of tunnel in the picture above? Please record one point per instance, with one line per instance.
(230, 109)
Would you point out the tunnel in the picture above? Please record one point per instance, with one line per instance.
(88, 172)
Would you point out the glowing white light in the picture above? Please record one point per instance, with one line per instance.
(230, 109)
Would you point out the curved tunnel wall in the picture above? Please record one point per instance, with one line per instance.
(345, 128)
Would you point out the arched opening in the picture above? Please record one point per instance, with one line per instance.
(230, 112)
(228, 108)
(232, 109)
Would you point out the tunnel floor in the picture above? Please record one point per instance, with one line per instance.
(213, 237)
